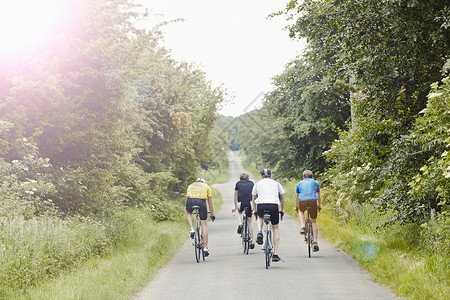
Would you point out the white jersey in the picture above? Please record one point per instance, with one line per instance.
(268, 191)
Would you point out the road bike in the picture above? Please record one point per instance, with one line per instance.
(245, 234)
(198, 241)
(268, 239)
(309, 237)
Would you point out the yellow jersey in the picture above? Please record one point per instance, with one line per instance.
(198, 190)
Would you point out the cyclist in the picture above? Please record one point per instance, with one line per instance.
(242, 200)
(308, 195)
(197, 194)
(270, 195)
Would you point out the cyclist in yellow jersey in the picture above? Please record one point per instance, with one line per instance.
(197, 194)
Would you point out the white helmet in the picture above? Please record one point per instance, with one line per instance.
(201, 180)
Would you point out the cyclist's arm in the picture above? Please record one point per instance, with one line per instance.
(319, 201)
(282, 202)
(297, 204)
(210, 204)
(254, 203)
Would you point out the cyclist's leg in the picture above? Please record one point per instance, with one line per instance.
(204, 225)
(189, 216)
(276, 238)
(301, 214)
(275, 220)
(260, 213)
(315, 228)
(259, 222)
(313, 212)
(239, 217)
(250, 225)
(248, 212)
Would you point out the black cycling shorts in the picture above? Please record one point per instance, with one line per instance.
(309, 203)
(272, 209)
(200, 202)
(247, 205)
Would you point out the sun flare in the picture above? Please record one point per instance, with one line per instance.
(25, 24)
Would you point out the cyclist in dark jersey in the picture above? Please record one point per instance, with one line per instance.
(242, 200)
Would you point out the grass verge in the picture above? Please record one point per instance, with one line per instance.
(389, 254)
(135, 260)
(149, 246)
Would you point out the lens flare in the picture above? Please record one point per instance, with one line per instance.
(181, 120)
(366, 248)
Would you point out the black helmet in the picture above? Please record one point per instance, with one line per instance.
(266, 172)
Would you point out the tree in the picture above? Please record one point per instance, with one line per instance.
(394, 50)
(100, 105)
(311, 108)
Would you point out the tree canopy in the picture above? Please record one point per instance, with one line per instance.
(102, 118)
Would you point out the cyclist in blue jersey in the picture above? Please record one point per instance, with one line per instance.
(308, 195)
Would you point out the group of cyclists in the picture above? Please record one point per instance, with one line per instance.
(266, 195)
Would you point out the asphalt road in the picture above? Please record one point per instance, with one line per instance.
(229, 274)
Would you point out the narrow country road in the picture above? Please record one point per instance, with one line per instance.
(229, 274)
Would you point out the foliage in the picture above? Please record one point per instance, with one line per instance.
(390, 52)
(26, 186)
(219, 148)
(310, 108)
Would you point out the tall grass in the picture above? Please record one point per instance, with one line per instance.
(38, 249)
(146, 246)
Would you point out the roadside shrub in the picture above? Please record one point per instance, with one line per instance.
(435, 235)
(165, 209)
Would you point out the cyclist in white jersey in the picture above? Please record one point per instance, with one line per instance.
(268, 194)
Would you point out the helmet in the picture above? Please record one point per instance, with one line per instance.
(201, 180)
(266, 172)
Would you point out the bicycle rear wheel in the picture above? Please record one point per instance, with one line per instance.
(309, 237)
(268, 248)
(198, 244)
(245, 236)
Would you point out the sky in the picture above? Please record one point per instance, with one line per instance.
(232, 41)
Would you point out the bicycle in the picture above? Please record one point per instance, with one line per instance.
(198, 241)
(268, 239)
(245, 235)
(309, 237)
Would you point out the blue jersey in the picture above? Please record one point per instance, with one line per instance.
(308, 189)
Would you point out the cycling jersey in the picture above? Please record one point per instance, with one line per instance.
(198, 190)
(308, 189)
(244, 188)
(268, 191)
